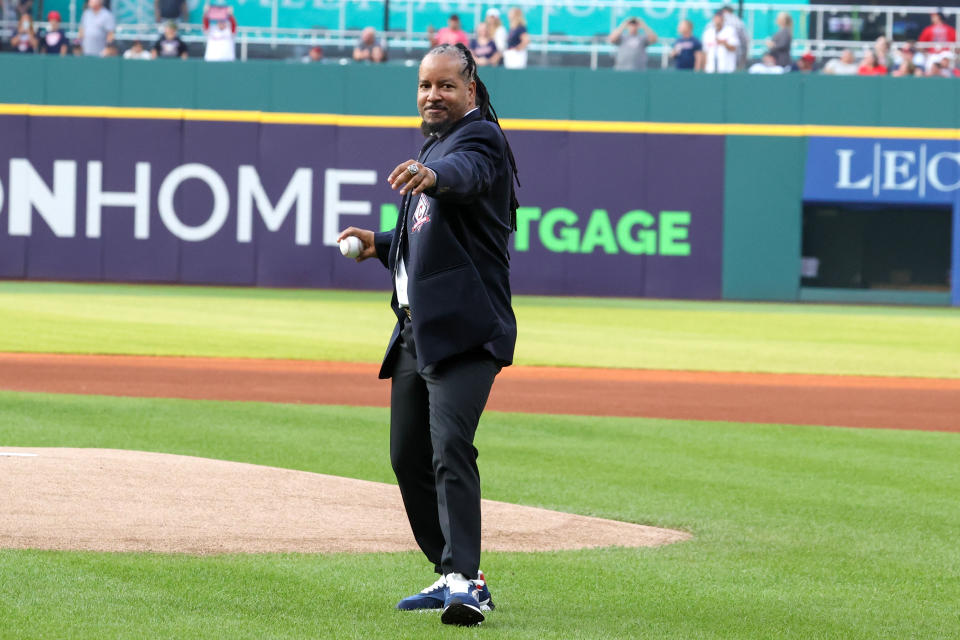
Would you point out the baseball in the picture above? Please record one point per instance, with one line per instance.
(351, 246)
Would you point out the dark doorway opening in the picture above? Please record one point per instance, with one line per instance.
(850, 246)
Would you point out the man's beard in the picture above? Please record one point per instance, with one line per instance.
(434, 128)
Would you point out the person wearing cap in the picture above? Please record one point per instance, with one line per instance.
(938, 31)
(805, 63)
(53, 39)
(632, 38)
(314, 55)
(166, 10)
(97, 25)
(369, 49)
(220, 27)
(495, 28)
(452, 33)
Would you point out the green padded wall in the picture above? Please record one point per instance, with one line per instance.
(763, 174)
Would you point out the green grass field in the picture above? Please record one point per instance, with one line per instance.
(799, 532)
(327, 325)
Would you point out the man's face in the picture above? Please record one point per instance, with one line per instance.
(935, 18)
(454, 24)
(718, 21)
(847, 56)
(442, 95)
(633, 27)
(170, 32)
(684, 29)
(96, 4)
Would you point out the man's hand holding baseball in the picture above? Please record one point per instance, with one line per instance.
(366, 239)
(411, 176)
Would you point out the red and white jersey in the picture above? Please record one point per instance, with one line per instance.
(221, 39)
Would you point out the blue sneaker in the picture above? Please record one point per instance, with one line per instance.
(433, 597)
(483, 593)
(461, 606)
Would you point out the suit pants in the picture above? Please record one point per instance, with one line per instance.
(433, 420)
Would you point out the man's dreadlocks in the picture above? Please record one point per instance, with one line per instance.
(468, 71)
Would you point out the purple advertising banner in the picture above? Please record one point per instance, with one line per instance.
(247, 203)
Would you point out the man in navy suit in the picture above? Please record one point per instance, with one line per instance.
(455, 324)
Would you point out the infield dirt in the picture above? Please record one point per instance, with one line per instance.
(849, 401)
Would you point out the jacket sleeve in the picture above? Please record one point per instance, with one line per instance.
(470, 168)
(381, 242)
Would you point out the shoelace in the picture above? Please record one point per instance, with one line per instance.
(439, 584)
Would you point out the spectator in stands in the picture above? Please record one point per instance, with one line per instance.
(137, 52)
(452, 33)
(220, 27)
(110, 51)
(779, 45)
(96, 28)
(169, 45)
(870, 66)
(805, 63)
(767, 65)
(720, 46)
(496, 29)
(369, 49)
(731, 18)
(632, 38)
(518, 40)
(484, 49)
(845, 65)
(25, 39)
(881, 49)
(687, 52)
(942, 65)
(906, 69)
(167, 10)
(906, 55)
(938, 31)
(314, 55)
(53, 40)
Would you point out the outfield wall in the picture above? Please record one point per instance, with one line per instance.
(655, 184)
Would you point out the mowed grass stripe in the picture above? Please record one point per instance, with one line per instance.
(354, 326)
(800, 532)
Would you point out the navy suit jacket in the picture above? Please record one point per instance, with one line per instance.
(458, 269)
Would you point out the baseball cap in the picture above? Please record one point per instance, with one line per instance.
(493, 12)
(808, 57)
(53, 15)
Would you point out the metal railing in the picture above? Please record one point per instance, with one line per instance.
(810, 32)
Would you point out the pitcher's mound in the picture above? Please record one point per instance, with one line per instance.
(109, 500)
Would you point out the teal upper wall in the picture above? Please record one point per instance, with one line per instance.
(560, 93)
